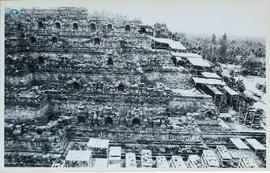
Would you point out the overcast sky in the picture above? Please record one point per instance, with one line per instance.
(235, 17)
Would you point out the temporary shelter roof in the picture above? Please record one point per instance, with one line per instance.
(210, 75)
(208, 81)
(255, 144)
(199, 62)
(186, 54)
(98, 143)
(79, 155)
(239, 143)
(173, 44)
(230, 91)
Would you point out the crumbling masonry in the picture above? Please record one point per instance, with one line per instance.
(71, 75)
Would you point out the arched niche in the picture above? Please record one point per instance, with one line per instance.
(33, 39)
(75, 26)
(81, 119)
(96, 41)
(136, 122)
(109, 27)
(41, 60)
(110, 61)
(108, 121)
(121, 87)
(41, 25)
(93, 27)
(127, 28)
(54, 40)
(57, 25)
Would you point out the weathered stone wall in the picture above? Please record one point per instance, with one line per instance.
(64, 63)
(191, 104)
(18, 80)
(87, 79)
(172, 79)
(22, 113)
(79, 61)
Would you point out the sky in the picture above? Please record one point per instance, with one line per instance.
(235, 17)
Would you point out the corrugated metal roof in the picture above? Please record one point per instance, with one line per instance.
(190, 93)
(173, 44)
(199, 62)
(230, 91)
(239, 143)
(249, 162)
(215, 90)
(211, 158)
(255, 144)
(100, 163)
(115, 153)
(98, 143)
(146, 158)
(208, 81)
(224, 152)
(210, 75)
(79, 155)
(194, 161)
(162, 162)
(178, 162)
(131, 160)
(186, 54)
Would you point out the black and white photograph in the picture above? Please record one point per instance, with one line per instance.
(134, 85)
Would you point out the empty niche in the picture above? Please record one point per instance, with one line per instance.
(123, 43)
(54, 40)
(40, 25)
(110, 61)
(58, 25)
(81, 119)
(22, 35)
(136, 122)
(75, 26)
(41, 60)
(76, 85)
(108, 121)
(92, 27)
(33, 39)
(127, 28)
(97, 41)
(121, 87)
(109, 26)
(19, 27)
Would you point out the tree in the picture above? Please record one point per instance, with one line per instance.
(223, 46)
(161, 30)
(224, 37)
(251, 66)
(213, 39)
